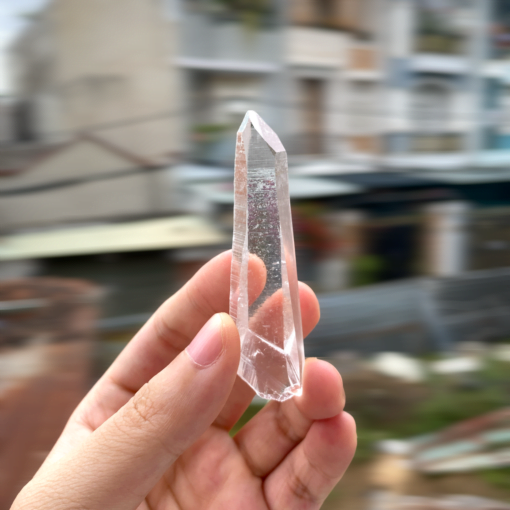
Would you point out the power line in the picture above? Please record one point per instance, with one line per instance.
(104, 126)
(127, 122)
(355, 111)
(66, 183)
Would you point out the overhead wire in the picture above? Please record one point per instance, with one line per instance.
(361, 112)
(64, 183)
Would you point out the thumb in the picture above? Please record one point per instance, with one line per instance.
(125, 457)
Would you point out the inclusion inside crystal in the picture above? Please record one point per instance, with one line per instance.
(270, 327)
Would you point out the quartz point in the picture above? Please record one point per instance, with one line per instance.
(272, 353)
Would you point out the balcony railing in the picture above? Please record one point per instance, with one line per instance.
(437, 142)
(424, 143)
(228, 35)
(364, 144)
(362, 59)
(217, 147)
(347, 15)
(448, 44)
(252, 14)
(436, 33)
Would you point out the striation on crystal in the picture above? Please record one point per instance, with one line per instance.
(272, 355)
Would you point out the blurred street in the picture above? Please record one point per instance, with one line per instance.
(118, 124)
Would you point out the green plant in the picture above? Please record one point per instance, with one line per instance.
(444, 401)
(367, 269)
(499, 478)
(367, 438)
(252, 410)
(251, 12)
(210, 129)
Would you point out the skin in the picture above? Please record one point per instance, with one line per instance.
(152, 433)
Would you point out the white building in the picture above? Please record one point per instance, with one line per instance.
(88, 66)
(430, 110)
(400, 84)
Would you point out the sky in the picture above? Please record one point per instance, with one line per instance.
(11, 23)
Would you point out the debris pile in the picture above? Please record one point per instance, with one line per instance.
(479, 443)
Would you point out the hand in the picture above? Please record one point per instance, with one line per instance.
(153, 433)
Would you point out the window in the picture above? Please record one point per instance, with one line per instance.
(441, 25)
(362, 106)
(500, 29)
(431, 107)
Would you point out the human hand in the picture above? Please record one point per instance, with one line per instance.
(153, 433)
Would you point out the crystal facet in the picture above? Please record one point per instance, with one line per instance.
(272, 355)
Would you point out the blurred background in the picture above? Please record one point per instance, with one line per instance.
(117, 138)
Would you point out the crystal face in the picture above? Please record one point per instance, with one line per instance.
(272, 355)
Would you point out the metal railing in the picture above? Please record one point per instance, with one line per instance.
(415, 316)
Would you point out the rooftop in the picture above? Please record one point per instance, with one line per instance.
(155, 234)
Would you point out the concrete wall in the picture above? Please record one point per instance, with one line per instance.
(110, 62)
(127, 196)
(314, 54)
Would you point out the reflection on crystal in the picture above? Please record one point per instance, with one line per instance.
(270, 327)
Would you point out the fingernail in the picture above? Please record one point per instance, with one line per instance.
(207, 346)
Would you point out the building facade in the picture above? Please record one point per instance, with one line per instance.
(414, 87)
(101, 67)
(405, 84)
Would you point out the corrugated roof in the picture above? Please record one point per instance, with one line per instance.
(468, 177)
(385, 179)
(156, 234)
(323, 167)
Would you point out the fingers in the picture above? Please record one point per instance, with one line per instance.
(242, 394)
(323, 394)
(165, 335)
(310, 472)
(268, 437)
(123, 459)
(237, 403)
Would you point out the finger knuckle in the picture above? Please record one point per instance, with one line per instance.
(144, 407)
(197, 299)
(285, 426)
(301, 489)
(169, 337)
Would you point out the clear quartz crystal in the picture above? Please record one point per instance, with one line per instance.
(272, 354)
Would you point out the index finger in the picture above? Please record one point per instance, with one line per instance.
(167, 333)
